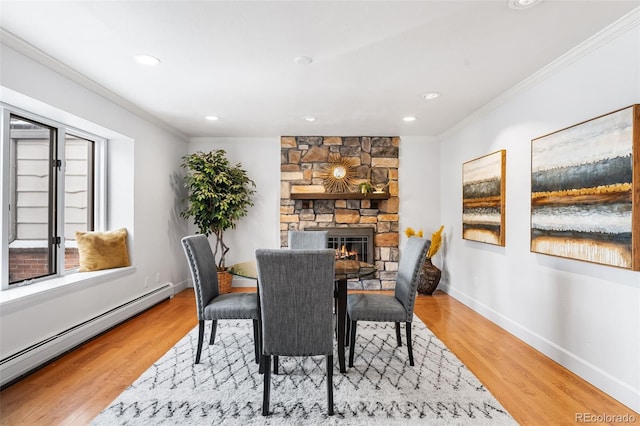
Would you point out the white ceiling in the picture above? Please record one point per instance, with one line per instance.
(372, 60)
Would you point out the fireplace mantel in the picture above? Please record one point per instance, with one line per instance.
(340, 196)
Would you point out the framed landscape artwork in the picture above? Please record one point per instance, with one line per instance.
(584, 186)
(483, 198)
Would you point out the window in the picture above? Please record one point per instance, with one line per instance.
(52, 194)
(78, 194)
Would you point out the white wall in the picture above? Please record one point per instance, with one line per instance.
(419, 187)
(143, 195)
(260, 157)
(585, 316)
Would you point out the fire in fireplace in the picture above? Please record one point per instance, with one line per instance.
(354, 243)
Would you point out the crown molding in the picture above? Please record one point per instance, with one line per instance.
(593, 43)
(11, 40)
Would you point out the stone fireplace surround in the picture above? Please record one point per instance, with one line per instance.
(302, 159)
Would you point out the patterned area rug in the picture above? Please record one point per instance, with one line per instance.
(225, 388)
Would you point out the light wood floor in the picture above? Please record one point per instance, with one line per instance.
(77, 387)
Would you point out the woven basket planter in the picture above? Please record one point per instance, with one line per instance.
(224, 282)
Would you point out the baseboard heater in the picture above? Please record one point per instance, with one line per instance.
(20, 364)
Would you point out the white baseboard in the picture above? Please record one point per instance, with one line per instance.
(20, 364)
(182, 285)
(617, 389)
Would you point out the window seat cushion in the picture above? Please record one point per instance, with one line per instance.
(102, 250)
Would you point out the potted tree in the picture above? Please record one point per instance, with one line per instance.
(219, 194)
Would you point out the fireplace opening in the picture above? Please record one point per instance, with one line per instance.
(351, 243)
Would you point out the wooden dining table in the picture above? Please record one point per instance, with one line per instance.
(345, 269)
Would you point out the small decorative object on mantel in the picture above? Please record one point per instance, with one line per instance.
(365, 188)
(379, 178)
(338, 174)
(430, 274)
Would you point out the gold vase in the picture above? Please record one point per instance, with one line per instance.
(429, 277)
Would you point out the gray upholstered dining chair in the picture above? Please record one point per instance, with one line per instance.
(210, 304)
(296, 298)
(308, 239)
(386, 308)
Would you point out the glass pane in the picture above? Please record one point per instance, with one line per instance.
(30, 252)
(78, 194)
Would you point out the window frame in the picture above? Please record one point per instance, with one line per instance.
(98, 189)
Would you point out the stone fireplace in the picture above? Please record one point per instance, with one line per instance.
(304, 204)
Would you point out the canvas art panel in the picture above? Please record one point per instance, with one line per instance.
(483, 199)
(584, 184)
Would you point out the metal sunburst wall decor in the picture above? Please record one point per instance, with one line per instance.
(338, 175)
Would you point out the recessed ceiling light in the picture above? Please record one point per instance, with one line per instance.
(212, 118)
(146, 60)
(309, 119)
(431, 95)
(409, 118)
(303, 60)
(522, 4)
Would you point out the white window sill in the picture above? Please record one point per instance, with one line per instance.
(15, 297)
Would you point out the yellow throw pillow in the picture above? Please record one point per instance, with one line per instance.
(102, 250)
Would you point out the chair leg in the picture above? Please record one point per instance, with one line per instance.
(214, 327)
(266, 361)
(261, 357)
(409, 347)
(256, 340)
(276, 361)
(398, 337)
(200, 339)
(347, 335)
(352, 340)
(330, 384)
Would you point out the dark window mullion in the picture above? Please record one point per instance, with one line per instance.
(53, 202)
(91, 187)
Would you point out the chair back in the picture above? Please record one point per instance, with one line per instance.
(296, 301)
(204, 274)
(308, 239)
(411, 259)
